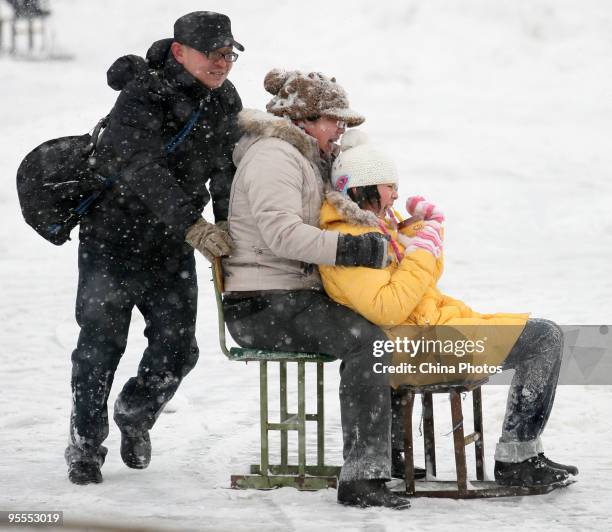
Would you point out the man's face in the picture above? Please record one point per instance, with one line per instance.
(210, 72)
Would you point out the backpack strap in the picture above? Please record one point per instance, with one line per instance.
(95, 134)
(182, 134)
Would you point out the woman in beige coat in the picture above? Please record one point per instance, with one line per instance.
(274, 297)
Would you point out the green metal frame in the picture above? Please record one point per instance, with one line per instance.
(265, 475)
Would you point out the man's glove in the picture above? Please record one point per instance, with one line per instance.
(369, 250)
(223, 225)
(210, 240)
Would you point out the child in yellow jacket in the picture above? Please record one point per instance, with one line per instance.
(403, 298)
(405, 293)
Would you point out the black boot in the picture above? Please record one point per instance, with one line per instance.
(572, 470)
(136, 449)
(398, 466)
(84, 463)
(366, 493)
(81, 473)
(532, 472)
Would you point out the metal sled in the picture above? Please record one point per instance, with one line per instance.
(462, 488)
(265, 475)
(313, 477)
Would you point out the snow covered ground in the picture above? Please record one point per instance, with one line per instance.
(499, 110)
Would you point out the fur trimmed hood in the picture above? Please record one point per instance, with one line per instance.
(347, 211)
(257, 125)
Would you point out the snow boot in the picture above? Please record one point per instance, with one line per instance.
(84, 472)
(572, 470)
(371, 492)
(136, 449)
(532, 472)
(398, 466)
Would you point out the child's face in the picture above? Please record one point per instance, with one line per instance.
(388, 194)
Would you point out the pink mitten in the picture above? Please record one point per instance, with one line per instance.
(426, 238)
(437, 226)
(418, 206)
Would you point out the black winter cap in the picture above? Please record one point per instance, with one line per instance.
(205, 31)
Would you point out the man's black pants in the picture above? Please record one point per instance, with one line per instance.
(108, 290)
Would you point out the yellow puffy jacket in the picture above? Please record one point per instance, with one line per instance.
(405, 294)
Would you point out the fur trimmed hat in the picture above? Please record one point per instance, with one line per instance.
(300, 95)
(360, 164)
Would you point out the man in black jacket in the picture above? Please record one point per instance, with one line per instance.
(171, 131)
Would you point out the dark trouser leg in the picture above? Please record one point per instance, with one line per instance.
(103, 311)
(308, 321)
(169, 305)
(536, 359)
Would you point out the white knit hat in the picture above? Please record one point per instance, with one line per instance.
(361, 164)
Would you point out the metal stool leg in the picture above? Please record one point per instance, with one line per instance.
(301, 419)
(283, 414)
(429, 440)
(479, 443)
(320, 416)
(408, 402)
(263, 416)
(459, 441)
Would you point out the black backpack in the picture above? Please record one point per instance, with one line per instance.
(54, 179)
(57, 182)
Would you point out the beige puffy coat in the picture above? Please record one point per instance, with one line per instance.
(275, 201)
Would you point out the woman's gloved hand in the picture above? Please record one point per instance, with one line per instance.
(370, 250)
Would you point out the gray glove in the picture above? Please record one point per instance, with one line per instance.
(210, 240)
(369, 250)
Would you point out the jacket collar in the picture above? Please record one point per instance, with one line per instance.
(349, 211)
(184, 82)
(256, 125)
